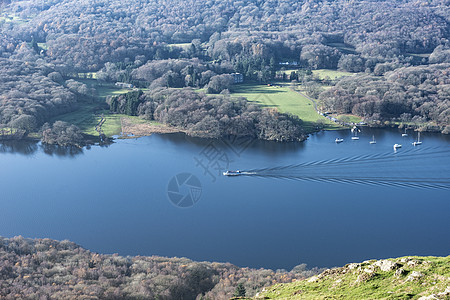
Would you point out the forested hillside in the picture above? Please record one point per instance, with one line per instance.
(48, 269)
(400, 50)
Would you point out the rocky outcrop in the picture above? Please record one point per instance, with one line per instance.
(386, 265)
(422, 278)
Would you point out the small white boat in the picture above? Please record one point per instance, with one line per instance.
(232, 173)
(338, 140)
(373, 140)
(355, 131)
(404, 134)
(418, 142)
(396, 146)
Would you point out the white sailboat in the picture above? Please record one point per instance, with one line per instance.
(404, 134)
(355, 131)
(373, 140)
(418, 142)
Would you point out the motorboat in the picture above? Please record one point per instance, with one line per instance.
(338, 140)
(232, 173)
(396, 146)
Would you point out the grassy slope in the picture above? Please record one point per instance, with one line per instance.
(12, 19)
(284, 99)
(88, 115)
(333, 74)
(183, 46)
(368, 281)
(323, 73)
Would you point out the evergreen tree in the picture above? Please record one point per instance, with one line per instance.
(240, 290)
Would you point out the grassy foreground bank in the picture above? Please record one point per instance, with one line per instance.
(398, 278)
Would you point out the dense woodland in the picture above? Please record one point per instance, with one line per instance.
(401, 50)
(209, 116)
(48, 269)
(414, 95)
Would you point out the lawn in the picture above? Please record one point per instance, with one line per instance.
(88, 115)
(348, 118)
(183, 46)
(285, 100)
(333, 74)
(13, 19)
(43, 46)
(88, 75)
(103, 90)
(421, 55)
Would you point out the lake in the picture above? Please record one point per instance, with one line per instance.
(316, 202)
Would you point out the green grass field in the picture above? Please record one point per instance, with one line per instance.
(183, 46)
(12, 19)
(422, 55)
(332, 74)
(103, 90)
(43, 46)
(348, 118)
(323, 73)
(88, 115)
(285, 100)
(343, 47)
(88, 75)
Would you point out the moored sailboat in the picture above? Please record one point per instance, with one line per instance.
(418, 142)
(404, 134)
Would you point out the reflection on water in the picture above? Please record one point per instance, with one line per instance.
(20, 147)
(61, 151)
(26, 147)
(268, 147)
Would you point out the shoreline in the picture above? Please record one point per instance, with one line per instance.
(132, 130)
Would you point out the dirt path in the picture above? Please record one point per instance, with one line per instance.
(320, 113)
(99, 129)
(307, 97)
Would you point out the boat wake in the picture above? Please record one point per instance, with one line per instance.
(410, 168)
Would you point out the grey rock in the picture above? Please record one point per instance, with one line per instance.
(414, 275)
(386, 265)
(399, 272)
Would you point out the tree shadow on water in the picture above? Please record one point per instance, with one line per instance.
(20, 147)
(60, 151)
(29, 148)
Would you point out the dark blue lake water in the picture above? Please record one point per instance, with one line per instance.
(322, 203)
